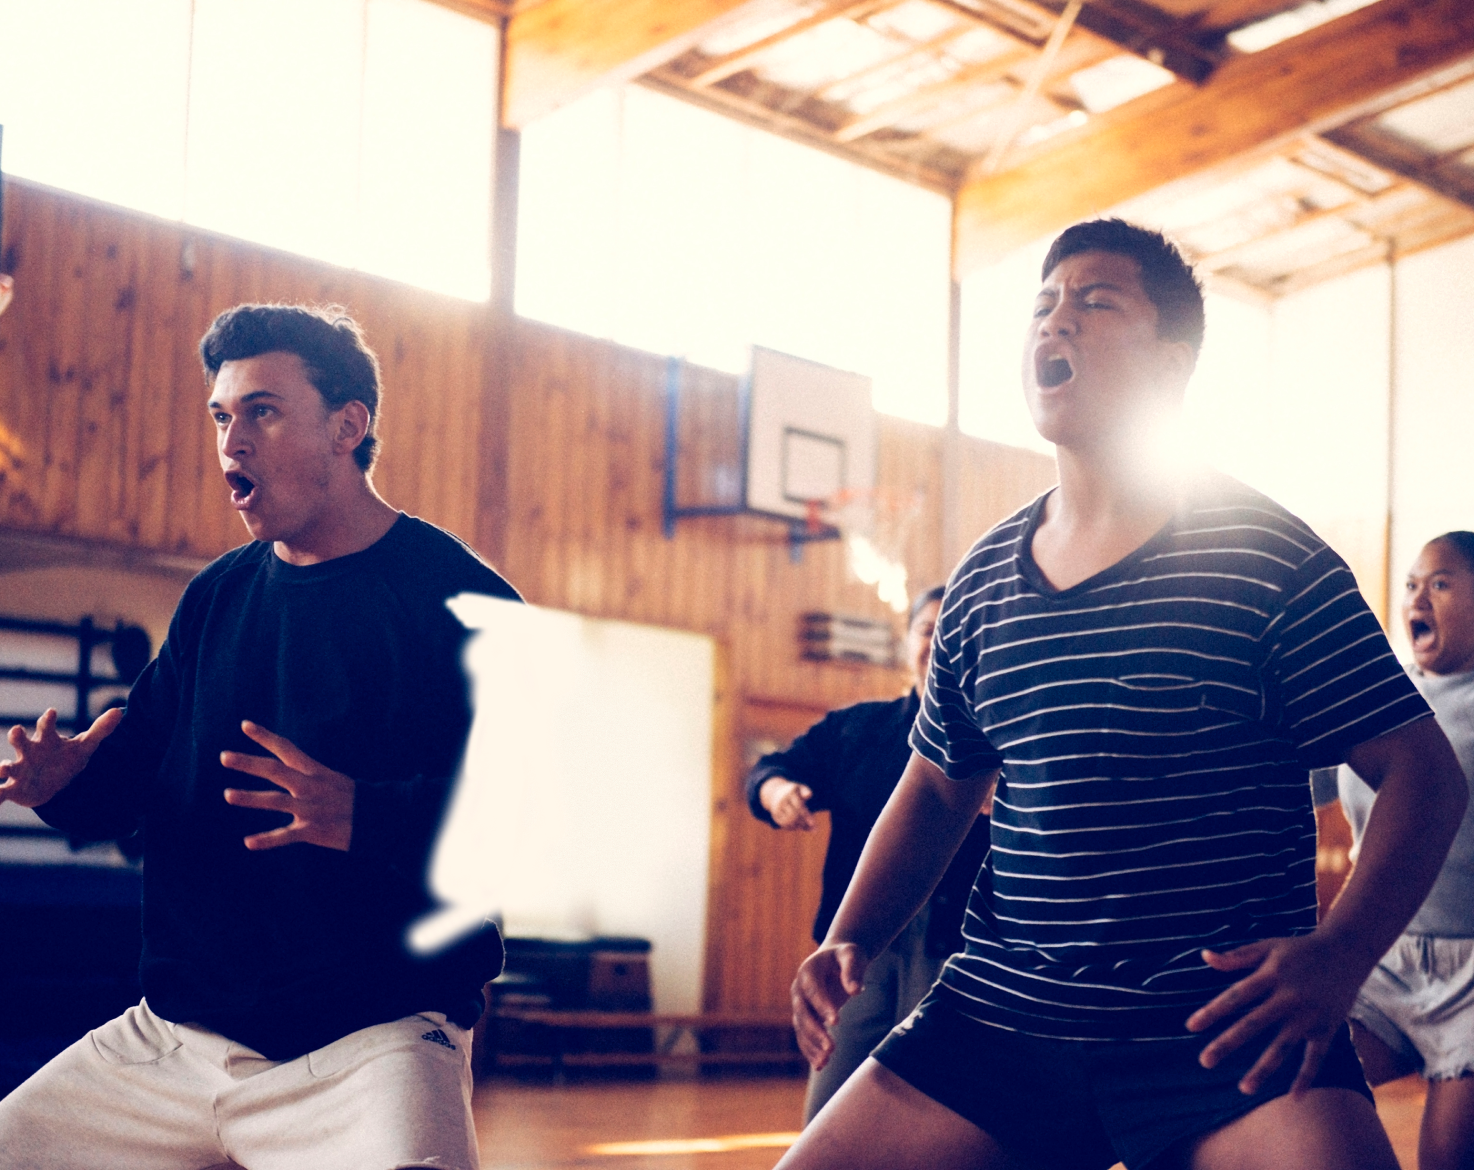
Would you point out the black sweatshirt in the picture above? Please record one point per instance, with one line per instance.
(851, 760)
(357, 661)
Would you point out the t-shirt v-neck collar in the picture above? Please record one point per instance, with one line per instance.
(1030, 571)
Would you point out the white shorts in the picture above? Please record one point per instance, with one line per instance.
(1419, 1001)
(140, 1093)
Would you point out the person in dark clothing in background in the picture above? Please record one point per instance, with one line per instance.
(848, 763)
(284, 1022)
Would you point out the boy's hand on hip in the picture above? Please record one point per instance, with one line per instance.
(826, 980)
(319, 800)
(1297, 989)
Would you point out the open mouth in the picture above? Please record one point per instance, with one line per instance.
(1420, 631)
(1056, 371)
(242, 488)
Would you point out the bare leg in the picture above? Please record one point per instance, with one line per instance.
(1379, 1064)
(1322, 1129)
(1446, 1141)
(879, 1122)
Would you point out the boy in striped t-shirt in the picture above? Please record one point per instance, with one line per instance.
(1148, 661)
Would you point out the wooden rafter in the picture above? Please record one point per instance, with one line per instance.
(1309, 82)
(739, 60)
(560, 49)
(1146, 31)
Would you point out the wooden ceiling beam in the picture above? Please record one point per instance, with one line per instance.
(1146, 31)
(560, 49)
(1307, 83)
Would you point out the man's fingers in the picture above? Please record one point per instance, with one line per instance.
(813, 1037)
(1315, 1052)
(851, 971)
(1238, 958)
(275, 838)
(276, 801)
(17, 736)
(265, 767)
(102, 727)
(805, 794)
(1225, 1004)
(1239, 1034)
(281, 747)
(46, 725)
(1270, 1059)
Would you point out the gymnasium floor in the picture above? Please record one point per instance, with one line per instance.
(729, 1123)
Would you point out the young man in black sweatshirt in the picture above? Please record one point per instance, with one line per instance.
(284, 1021)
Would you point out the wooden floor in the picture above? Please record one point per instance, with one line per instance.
(728, 1123)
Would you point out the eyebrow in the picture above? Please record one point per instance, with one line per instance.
(1085, 290)
(253, 396)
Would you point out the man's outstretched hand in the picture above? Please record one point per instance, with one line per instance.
(46, 762)
(319, 800)
(826, 981)
(1296, 990)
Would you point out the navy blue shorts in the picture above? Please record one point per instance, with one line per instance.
(1085, 1105)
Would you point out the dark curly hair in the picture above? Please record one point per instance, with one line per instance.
(337, 359)
(1166, 277)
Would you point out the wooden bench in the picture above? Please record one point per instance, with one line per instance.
(563, 1025)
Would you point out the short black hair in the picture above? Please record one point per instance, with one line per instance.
(337, 359)
(1166, 277)
(935, 593)
(1461, 542)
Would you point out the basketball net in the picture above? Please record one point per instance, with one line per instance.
(875, 527)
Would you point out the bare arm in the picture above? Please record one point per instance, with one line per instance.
(909, 849)
(1301, 988)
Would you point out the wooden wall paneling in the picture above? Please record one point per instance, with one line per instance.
(199, 518)
(63, 406)
(32, 239)
(151, 385)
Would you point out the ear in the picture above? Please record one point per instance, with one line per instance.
(350, 426)
(1178, 361)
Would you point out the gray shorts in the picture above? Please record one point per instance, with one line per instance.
(1419, 1001)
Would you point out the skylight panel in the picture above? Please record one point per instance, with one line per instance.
(1260, 35)
(1116, 81)
(1440, 123)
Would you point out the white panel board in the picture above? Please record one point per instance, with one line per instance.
(584, 802)
(811, 433)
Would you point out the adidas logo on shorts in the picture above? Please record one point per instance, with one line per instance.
(439, 1037)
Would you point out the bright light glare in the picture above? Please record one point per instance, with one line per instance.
(675, 230)
(716, 1145)
(428, 121)
(996, 303)
(354, 131)
(274, 122)
(92, 97)
(1284, 398)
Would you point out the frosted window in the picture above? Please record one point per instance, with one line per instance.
(355, 131)
(92, 97)
(673, 229)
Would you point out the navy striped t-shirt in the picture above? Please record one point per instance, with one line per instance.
(1154, 725)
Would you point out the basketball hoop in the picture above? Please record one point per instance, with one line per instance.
(813, 517)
